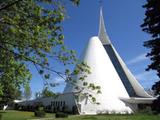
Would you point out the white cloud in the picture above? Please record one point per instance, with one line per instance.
(146, 76)
(147, 79)
(143, 75)
(137, 59)
(58, 80)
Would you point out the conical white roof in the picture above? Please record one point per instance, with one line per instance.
(103, 74)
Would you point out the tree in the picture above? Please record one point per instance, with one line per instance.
(10, 93)
(31, 33)
(37, 95)
(27, 92)
(46, 92)
(151, 25)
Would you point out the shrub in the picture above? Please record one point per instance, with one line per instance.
(39, 106)
(146, 110)
(74, 110)
(61, 115)
(156, 106)
(65, 109)
(0, 116)
(48, 108)
(39, 113)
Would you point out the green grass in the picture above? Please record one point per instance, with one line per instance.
(116, 117)
(18, 115)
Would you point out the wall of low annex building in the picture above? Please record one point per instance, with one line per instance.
(61, 102)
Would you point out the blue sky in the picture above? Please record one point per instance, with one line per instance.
(122, 19)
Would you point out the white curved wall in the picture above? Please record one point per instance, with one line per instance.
(103, 74)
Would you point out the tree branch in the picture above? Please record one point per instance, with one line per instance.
(34, 62)
(29, 46)
(47, 68)
(9, 5)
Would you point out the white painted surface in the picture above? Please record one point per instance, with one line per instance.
(67, 98)
(102, 34)
(137, 100)
(103, 74)
(5, 107)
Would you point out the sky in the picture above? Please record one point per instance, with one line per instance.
(122, 19)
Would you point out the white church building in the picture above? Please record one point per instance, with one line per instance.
(120, 91)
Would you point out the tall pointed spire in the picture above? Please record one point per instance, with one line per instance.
(102, 30)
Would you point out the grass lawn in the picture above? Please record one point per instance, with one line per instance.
(117, 117)
(18, 115)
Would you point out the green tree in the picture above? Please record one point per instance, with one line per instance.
(10, 93)
(27, 92)
(31, 33)
(47, 93)
(151, 25)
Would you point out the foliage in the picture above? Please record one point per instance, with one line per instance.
(147, 111)
(10, 93)
(0, 116)
(45, 93)
(156, 88)
(61, 115)
(151, 25)
(156, 106)
(31, 33)
(27, 92)
(39, 113)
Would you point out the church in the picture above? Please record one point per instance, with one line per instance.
(121, 93)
